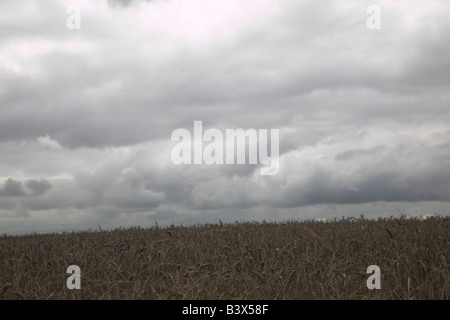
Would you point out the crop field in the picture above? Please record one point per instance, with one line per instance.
(243, 260)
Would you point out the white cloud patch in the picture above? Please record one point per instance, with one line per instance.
(48, 142)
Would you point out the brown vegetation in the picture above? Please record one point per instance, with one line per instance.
(291, 260)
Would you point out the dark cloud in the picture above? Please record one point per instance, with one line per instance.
(408, 174)
(13, 188)
(38, 187)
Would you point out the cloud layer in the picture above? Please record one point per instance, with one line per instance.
(86, 115)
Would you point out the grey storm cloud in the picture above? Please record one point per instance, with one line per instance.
(86, 115)
(13, 188)
(38, 187)
(407, 174)
(232, 80)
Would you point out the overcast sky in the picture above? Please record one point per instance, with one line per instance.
(86, 115)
